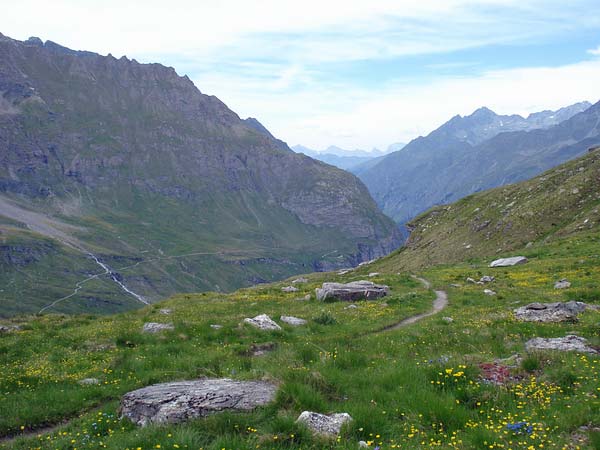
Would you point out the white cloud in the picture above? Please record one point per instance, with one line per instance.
(594, 51)
(355, 118)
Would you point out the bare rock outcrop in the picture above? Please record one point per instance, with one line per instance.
(185, 400)
(349, 292)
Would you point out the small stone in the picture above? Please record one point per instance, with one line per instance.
(89, 381)
(470, 280)
(454, 285)
(507, 262)
(562, 284)
(362, 444)
(488, 292)
(216, 326)
(351, 306)
(154, 327)
(294, 321)
(262, 322)
(487, 279)
(289, 289)
(448, 319)
(373, 274)
(300, 280)
(9, 328)
(165, 311)
(325, 425)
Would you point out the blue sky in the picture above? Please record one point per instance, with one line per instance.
(357, 74)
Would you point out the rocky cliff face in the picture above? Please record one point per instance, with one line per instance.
(136, 152)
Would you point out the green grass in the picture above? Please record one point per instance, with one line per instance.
(417, 387)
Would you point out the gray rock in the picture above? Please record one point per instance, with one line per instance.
(487, 279)
(300, 280)
(373, 274)
(322, 424)
(562, 284)
(569, 343)
(185, 400)
(362, 444)
(448, 319)
(165, 311)
(262, 322)
(488, 292)
(550, 312)
(356, 290)
(470, 280)
(89, 381)
(154, 327)
(344, 271)
(9, 328)
(506, 262)
(216, 326)
(289, 289)
(454, 285)
(294, 321)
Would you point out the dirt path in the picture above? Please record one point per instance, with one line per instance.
(440, 302)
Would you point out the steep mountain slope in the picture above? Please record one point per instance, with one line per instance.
(470, 154)
(559, 203)
(165, 186)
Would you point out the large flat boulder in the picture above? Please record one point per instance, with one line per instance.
(507, 262)
(185, 400)
(349, 292)
(323, 424)
(550, 312)
(569, 343)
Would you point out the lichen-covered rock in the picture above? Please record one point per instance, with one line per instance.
(569, 343)
(349, 292)
(155, 327)
(294, 321)
(184, 400)
(550, 312)
(322, 424)
(262, 322)
(506, 262)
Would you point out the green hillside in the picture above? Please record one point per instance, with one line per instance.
(424, 385)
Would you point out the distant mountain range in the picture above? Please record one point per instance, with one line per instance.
(477, 152)
(346, 159)
(121, 183)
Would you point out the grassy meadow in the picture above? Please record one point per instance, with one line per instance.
(422, 386)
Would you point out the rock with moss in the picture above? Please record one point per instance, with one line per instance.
(181, 401)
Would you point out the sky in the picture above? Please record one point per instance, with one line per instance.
(355, 74)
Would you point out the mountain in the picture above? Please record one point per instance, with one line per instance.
(469, 154)
(560, 203)
(345, 159)
(121, 183)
